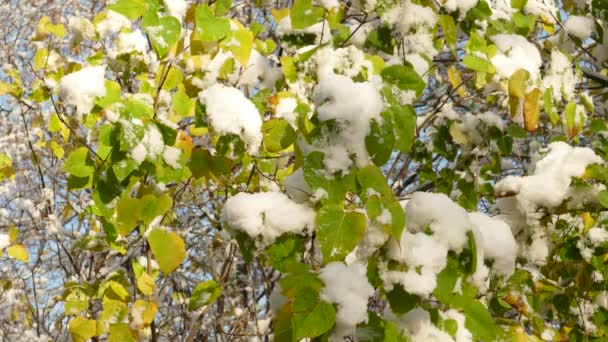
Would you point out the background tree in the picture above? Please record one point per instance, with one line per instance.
(253, 170)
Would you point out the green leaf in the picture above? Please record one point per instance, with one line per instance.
(79, 164)
(404, 126)
(404, 77)
(381, 39)
(132, 9)
(312, 316)
(479, 321)
(208, 26)
(120, 332)
(298, 280)
(371, 177)
(182, 104)
(478, 64)
(449, 30)
(168, 248)
(400, 301)
(377, 207)
(549, 107)
(203, 294)
(112, 94)
(338, 231)
(127, 215)
(602, 197)
(163, 34)
(222, 7)
(123, 168)
(278, 135)
(523, 21)
(82, 329)
(315, 177)
(151, 207)
(380, 141)
(285, 251)
(303, 14)
(170, 78)
(378, 330)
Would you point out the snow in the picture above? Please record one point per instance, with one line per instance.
(82, 27)
(462, 333)
(328, 4)
(418, 324)
(549, 184)
(473, 129)
(463, 6)
(425, 257)
(426, 254)
(580, 27)
(594, 238)
(4, 241)
(296, 187)
(171, 156)
(176, 8)
(286, 109)
(80, 88)
(543, 8)
(496, 241)
(229, 111)
(135, 41)
(334, 99)
(560, 77)
(515, 52)
(111, 24)
(408, 16)
(348, 288)
(448, 221)
(267, 215)
(151, 146)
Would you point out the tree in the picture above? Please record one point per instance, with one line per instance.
(364, 170)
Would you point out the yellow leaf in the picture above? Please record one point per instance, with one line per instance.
(457, 135)
(82, 329)
(456, 81)
(279, 14)
(168, 248)
(532, 110)
(588, 221)
(57, 149)
(18, 252)
(145, 283)
(143, 311)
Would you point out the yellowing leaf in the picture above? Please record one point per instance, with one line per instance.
(45, 27)
(18, 252)
(13, 233)
(456, 81)
(241, 45)
(517, 83)
(532, 110)
(169, 249)
(82, 329)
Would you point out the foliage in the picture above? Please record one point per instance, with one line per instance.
(443, 165)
